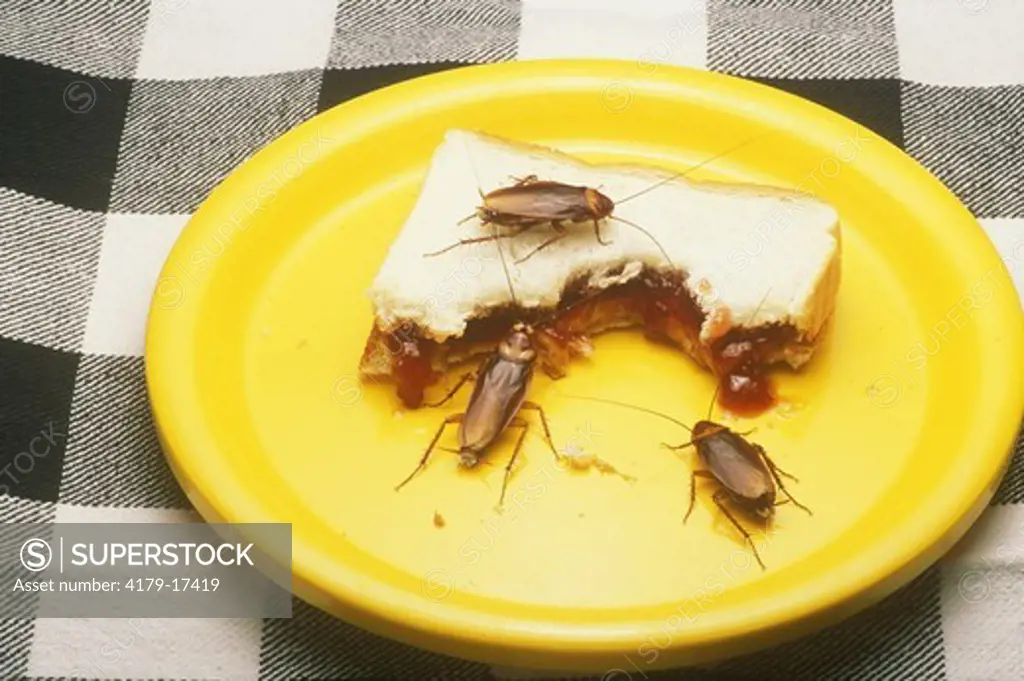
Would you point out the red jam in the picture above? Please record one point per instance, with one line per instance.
(413, 371)
(661, 304)
(740, 358)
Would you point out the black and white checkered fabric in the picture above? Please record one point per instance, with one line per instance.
(118, 117)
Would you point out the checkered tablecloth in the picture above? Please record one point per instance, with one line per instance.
(118, 117)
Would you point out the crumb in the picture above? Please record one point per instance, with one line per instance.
(398, 414)
(583, 462)
(302, 343)
(581, 516)
(718, 322)
(787, 410)
(438, 520)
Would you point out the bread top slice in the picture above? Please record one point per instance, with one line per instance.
(751, 255)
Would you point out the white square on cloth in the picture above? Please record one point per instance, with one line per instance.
(207, 38)
(961, 42)
(140, 647)
(146, 648)
(135, 247)
(982, 594)
(644, 31)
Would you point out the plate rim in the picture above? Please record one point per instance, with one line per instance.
(503, 639)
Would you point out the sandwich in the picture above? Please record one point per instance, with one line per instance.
(740, 277)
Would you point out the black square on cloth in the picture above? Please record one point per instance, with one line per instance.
(183, 137)
(973, 140)
(113, 458)
(36, 385)
(803, 38)
(59, 132)
(16, 635)
(874, 103)
(908, 646)
(49, 256)
(341, 85)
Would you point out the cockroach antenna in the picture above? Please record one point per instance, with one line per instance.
(494, 227)
(476, 176)
(714, 397)
(703, 163)
(759, 306)
(627, 405)
(644, 231)
(504, 266)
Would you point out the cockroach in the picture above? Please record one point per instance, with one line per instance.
(499, 394)
(531, 202)
(746, 476)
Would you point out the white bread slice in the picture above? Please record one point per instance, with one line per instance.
(753, 255)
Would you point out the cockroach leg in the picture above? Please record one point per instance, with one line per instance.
(778, 481)
(597, 234)
(557, 237)
(451, 393)
(552, 371)
(522, 181)
(467, 219)
(466, 242)
(693, 490)
(514, 423)
(543, 422)
(779, 470)
(454, 418)
(718, 497)
(776, 471)
(577, 462)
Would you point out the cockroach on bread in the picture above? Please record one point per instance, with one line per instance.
(499, 394)
(531, 202)
(745, 474)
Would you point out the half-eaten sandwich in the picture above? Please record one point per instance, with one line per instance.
(739, 276)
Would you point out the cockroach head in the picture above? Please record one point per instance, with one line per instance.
(599, 204)
(703, 429)
(516, 346)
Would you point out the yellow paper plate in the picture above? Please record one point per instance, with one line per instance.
(899, 429)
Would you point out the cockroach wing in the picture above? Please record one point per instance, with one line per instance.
(540, 201)
(497, 396)
(736, 465)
